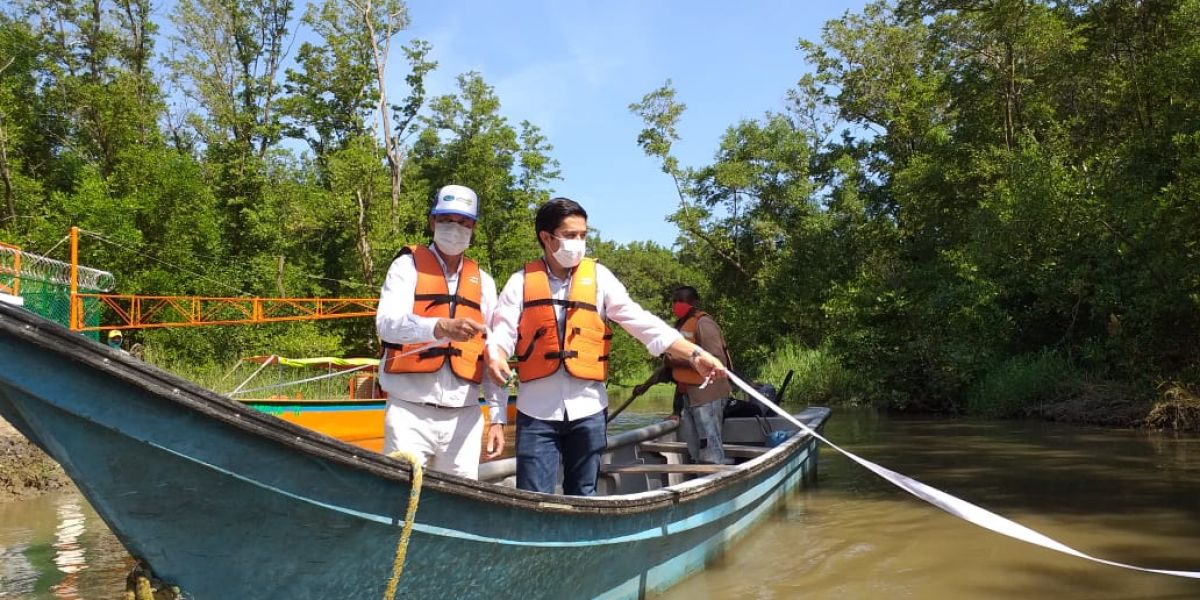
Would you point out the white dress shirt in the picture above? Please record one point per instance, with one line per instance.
(561, 395)
(396, 324)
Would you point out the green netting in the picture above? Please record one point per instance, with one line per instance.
(53, 301)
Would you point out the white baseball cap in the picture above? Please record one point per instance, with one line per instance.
(456, 200)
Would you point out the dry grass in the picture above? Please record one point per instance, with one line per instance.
(1179, 409)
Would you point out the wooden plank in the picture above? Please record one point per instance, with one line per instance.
(735, 450)
(691, 469)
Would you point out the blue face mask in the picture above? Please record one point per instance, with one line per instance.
(114, 343)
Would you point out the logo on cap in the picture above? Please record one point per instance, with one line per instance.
(456, 199)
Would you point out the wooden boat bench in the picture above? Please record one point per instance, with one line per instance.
(732, 450)
(653, 469)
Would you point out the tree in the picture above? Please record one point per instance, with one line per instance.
(381, 22)
(329, 105)
(227, 58)
(19, 62)
(649, 272)
(329, 98)
(465, 140)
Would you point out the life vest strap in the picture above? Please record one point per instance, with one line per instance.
(570, 354)
(577, 331)
(430, 353)
(441, 351)
(524, 356)
(436, 299)
(564, 303)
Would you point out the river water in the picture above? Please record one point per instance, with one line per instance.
(1129, 496)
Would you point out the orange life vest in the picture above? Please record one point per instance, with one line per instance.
(683, 373)
(540, 348)
(432, 298)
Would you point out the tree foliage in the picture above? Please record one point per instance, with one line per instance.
(956, 184)
(953, 191)
(272, 178)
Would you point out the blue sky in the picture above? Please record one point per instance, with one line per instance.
(574, 67)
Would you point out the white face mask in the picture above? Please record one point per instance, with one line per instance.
(570, 252)
(451, 238)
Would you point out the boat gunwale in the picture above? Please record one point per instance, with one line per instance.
(312, 401)
(189, 395)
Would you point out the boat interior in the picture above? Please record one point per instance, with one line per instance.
(654, 457)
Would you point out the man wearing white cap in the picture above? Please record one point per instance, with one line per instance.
(431, 316)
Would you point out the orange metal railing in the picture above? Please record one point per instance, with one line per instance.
(134, 311)
(149, 312)
(14, 269)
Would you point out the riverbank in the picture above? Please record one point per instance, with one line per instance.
(1175, 409)
(25, 470)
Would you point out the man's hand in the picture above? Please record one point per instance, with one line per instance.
(495, 441)
(459, 330)
(498, 369)
(708, 365)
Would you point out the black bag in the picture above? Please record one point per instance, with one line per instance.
(751, 407)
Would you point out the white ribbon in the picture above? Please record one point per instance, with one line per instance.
(955, 506)
(424, 347)
(300, 381)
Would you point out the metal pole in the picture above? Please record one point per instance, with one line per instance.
(74, 319)
(17, 271)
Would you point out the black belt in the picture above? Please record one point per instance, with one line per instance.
(436, 405)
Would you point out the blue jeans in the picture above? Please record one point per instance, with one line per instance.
(701, 427)
(542, 446)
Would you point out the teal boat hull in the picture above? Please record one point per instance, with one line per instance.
(227, 502)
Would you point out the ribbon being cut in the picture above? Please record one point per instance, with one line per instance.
(955, 506)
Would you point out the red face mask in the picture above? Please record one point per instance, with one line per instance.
(681, 309)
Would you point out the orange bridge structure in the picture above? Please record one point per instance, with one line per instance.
(88, 298)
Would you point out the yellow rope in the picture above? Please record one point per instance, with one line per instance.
(414, 498)
(144, 591)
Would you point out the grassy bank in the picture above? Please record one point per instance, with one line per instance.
(1046, 386)
(818, 377)
(1041, 385)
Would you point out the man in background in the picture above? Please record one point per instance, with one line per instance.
(116, 340)
(700, 408)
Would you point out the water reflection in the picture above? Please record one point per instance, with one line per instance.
(55, 548)
(68, 553)
(17, 573)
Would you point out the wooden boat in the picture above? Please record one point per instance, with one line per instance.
(355, 417)
(228, 502)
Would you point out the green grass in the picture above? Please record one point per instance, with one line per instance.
(223, 379)
(818, 377)
(657, 399)
(1015, 385)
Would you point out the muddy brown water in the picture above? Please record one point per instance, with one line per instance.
(1129, 496)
